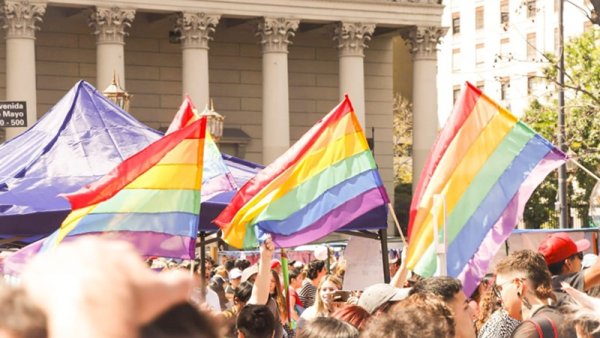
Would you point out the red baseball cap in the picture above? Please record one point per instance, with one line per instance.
(559, 246)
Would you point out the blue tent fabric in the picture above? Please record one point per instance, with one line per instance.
(78, 141)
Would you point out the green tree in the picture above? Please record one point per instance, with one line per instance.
(582, 126)
(402, 124)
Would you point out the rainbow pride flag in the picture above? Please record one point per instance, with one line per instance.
(152, 199)
(217, 177)
(485, 164)
(324, 181)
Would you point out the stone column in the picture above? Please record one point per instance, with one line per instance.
(109, 25)
(351, 40)
(422, 43)
(196, 30)
(274, 36)
(20, 20)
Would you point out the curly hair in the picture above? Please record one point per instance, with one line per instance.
(533, 265)
(420, 315)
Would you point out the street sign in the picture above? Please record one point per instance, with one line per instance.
(13, 114)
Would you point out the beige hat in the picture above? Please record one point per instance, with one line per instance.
(378, 294)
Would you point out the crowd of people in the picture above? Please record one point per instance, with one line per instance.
(99, 288)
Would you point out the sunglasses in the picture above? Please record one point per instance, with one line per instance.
(497, 288)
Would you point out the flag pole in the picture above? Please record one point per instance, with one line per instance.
(584, 169)
(397, 225)
(440, 248)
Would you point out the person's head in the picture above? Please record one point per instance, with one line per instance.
(255, 321)
(394, 261)
(295, 278)
(325, 290)
(327, 327)
(562, 254)
(353, 315)
(235, 277)
(229, 264)
(419, 315)
(521, 278)
(249, 274)
(450, 291)
(242, 264)
(242, 294)
(276, 265)
(378, 298)
(19, 316)
(315, 269)
(275, 284)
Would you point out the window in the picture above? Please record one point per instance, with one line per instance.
(504, 87)
(504, 16)
(533, 84)
(456, 59)
(455, 23)
(531, 50)
(531, 9)
(480, 85)
(556, 4)
(479, 18)
(455, 93)
(505, 49)
(479, 54)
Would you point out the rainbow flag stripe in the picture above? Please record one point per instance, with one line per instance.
(152, 199)
(485, 164)
(217, 177)
(326, 180)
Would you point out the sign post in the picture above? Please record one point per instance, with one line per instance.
(13, 114)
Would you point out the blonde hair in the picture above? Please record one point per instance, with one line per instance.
(319, 304)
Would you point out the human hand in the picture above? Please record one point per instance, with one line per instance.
(267, 248)
(94, 287)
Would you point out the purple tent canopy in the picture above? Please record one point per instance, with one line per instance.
(79, 140)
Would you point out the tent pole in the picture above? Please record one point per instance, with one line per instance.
(384, 255)
(203, 263)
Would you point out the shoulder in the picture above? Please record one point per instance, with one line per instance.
(526, 329)
(310, 313)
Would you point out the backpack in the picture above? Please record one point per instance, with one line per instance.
(545, 327)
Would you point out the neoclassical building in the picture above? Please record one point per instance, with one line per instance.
(272, 67)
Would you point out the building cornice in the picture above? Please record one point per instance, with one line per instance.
(385, 13)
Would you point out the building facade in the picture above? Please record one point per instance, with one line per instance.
(498, 46)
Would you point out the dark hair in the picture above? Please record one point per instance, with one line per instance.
(293, 274)
(242, 264)
(328, 327)
(443, 286)
(314, 267)
(533, 265)
(243, 292)
(256, 321)
(182, 320)
(354, 315)
(229, 265)
(419, 315)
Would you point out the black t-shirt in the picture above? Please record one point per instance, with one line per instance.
(574, 279)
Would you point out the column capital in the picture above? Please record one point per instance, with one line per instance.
(109, 23)
(196, 29)
(422, 41)
(275, 33)
(352, 37)
(19, 18)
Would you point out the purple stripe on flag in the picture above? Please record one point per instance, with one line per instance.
(479, 264)
(332, 221)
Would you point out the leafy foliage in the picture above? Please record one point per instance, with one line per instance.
(582, 127)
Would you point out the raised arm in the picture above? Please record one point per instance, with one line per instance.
(260, 290)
